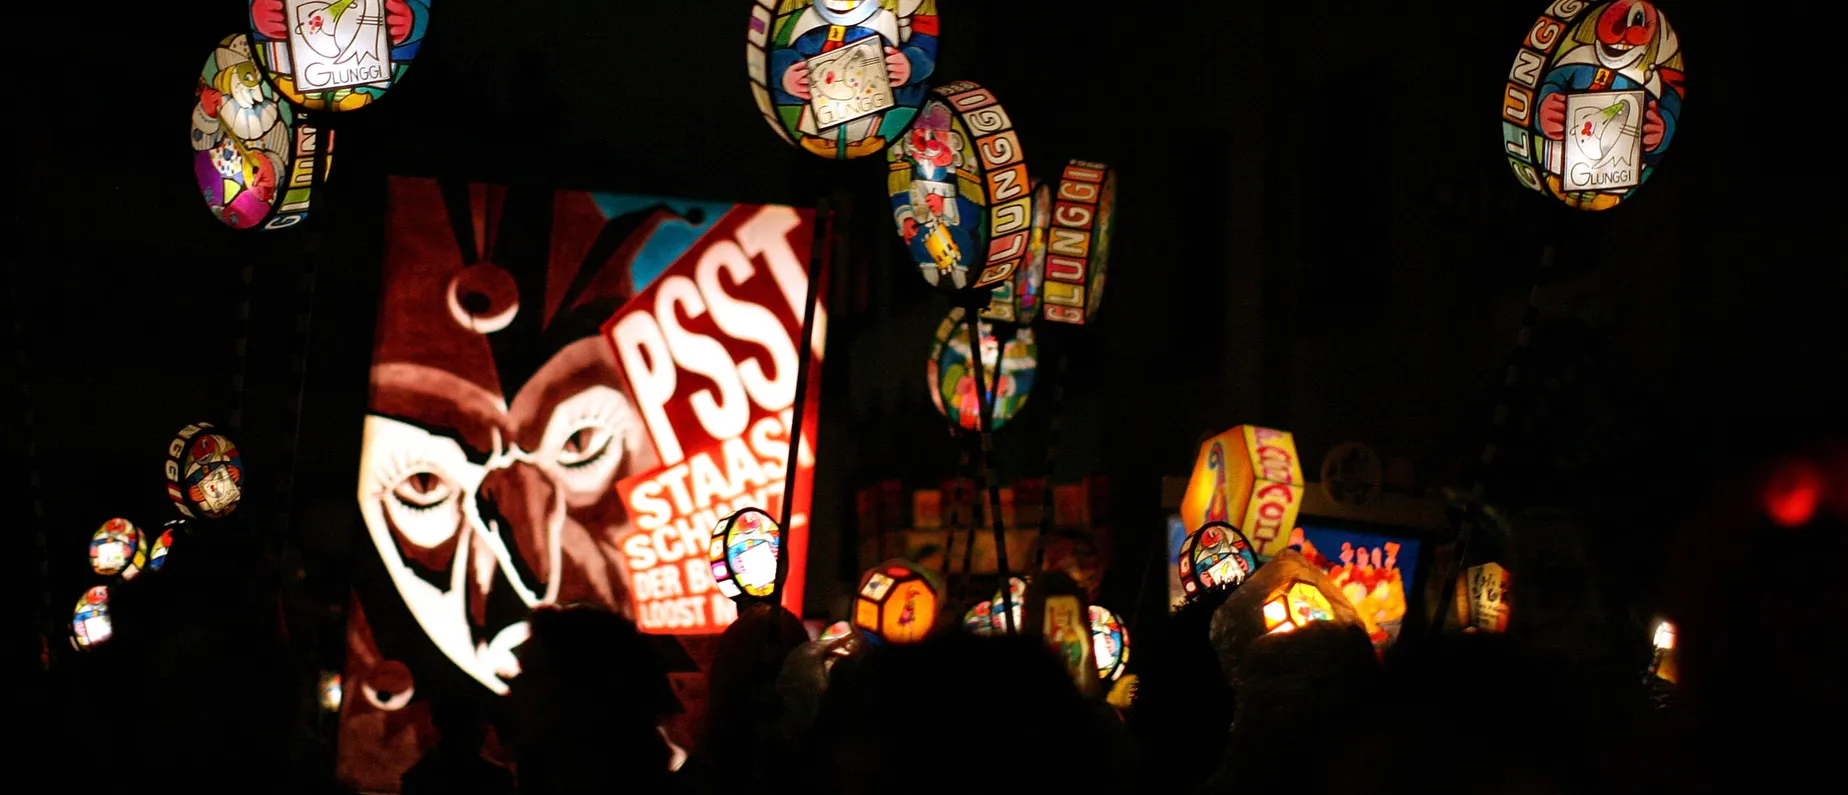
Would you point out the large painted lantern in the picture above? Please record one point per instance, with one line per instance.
(90, 624)
(960, 191)
(743, 554)
(253, 156)
(1593, 100)
(1018, 300)
(163, 543)
(205, 473)
(1110, 643)
(336, 55)
(1010, 358)
(1214, 556)
(896, 603)
(1078, 243)
(118, 547)
(1249, 478)
(841, 78)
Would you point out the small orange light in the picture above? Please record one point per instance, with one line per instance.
(1793, 493)
(1275, 613)
(1665, 636)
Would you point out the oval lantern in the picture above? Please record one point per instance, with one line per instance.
(1078, 241)
(1593, 100)
(841, 78)
(1018, 300)
(1010, 360)
(985, 618)
(1215, 555)
(118, 547)
(896, 603)
(253, 154)
(205, 473)
(163, 544)
(336, 55)
(90, 624)
(960, 192)
(1110, 642)
(743, 554)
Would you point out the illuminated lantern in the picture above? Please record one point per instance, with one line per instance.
(743, 554)
(1057, 613)
(960, 191)
(1250, 478)
(118, 547)
(1215, 555)
(336, 54)
(986, 617)
(157, 555)
(1010, 359)
(838, 629)
(1295, 606)
(90, 621)
(841, 78)
(205, 474)
(253, 155)
(896, 603)
(1593, 100)
(1018, 300)
(1078, 244)
(330, 691)
(1109, 642)
(1482, 598)
(1664, 666)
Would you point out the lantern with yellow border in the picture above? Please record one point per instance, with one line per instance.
(743, 554)
(896, 603)
(1250, 478)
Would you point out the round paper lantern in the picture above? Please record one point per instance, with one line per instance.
(896, 603)
(1078, 243)
(118, 547)
(90, 620)
(1110, 642)
(1018, 300)
(1010, 358)
(157, 555)
(985, 618)
(1295, 606)
(841, 78)
(960, 191)
(1215, 555)
(1593, 100)
(336, 54)
(205, 474)
(743, 554)
(253, 156)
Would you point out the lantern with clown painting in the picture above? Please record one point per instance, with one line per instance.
(336, 55)
(1217, 555)
(254, 155)
(960, 192)
(841, 79)
(896, 603)
(205, 472)
(1593, 100)
(1019, 300)
(743, 554)
(118, 547)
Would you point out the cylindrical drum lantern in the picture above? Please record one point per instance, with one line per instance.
(840, 78)
(253, 154)
(743, 554)
(118, 547)
(1078, 241)
(960, 192)
(205, 473)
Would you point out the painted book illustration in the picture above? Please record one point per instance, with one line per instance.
(849, 82)
(1604, 140)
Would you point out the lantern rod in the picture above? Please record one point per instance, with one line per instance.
(985, 462)
(819, 259)
(1054, 424)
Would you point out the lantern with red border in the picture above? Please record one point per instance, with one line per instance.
(896, 603)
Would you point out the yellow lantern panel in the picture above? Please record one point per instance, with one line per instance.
(896, 603)
(1250, 478)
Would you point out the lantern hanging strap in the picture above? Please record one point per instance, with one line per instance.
(820, 257)
(985, 459)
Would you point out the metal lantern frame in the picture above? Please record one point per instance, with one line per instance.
(880, 586)
(735, 540)
(137, 540)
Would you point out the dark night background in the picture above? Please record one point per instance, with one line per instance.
(1317, 233)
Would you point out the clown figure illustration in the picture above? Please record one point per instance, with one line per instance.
(847, 76)
(934, 217)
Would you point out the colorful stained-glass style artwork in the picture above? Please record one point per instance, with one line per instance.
(960, 192)
(1250, 478)
(1109, 642)
(1010, 360)
(253, 154)
(986, 618)
(1018, 300)
(1593, 100)
(1294, 606)
(1374, 572)
(205, 473)
(896, 603)
(841, 78)
(1078, 242)
(743, 554)
(163, 544)
(336, 55)
(118, 547)
(90, 625)
(1220, 556)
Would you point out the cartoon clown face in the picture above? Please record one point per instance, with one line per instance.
(1625, 30)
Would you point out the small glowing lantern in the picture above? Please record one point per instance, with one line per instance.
(743, 554)
(1010, 360)
(118, 547)
(336, 54)
(841, 78)
(1110, 643)
(1057, 612)
(205, 473)
(90, 624)
(835, 631)
(1664, 665)
(1250, 478)
(157, 555)
(330, 691)
(986, 618)
(1216, 555)
(1078, 244)
(1295, 606)
(1482, 598)
(896, 603)
(1593, 100)
(253, 156)
(1018, 300)
(960, 191)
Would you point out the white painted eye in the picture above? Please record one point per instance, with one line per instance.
(420, 479)
(585, 441)
(389, 686)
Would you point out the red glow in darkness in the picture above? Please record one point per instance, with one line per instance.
(1793, 493)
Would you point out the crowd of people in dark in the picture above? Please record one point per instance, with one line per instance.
(198, 691)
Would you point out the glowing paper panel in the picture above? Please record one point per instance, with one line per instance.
(205, 472)
(1010, 360)
(1018, 300)
(336, 54)
(1482, 598)
(1078, 243)
(840, 78)
(743, 554)
(118, 547)
(90, 625)
(1593, 100)
(1110, 643)
(896, 603)
(960, 191)
(1374, 572)
(253, 154)
(1250, 478)
(1217, 555)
